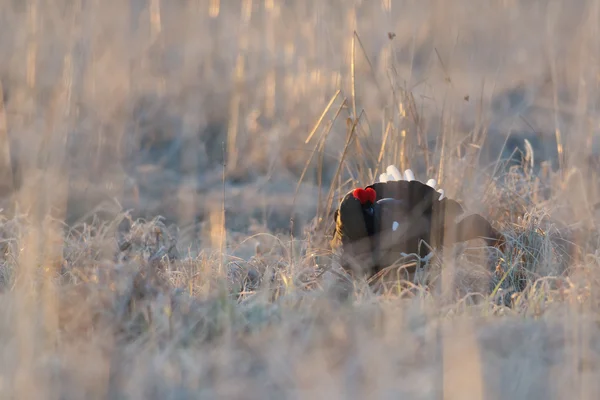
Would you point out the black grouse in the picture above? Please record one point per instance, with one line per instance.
(379, 224)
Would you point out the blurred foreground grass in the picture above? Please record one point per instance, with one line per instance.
(241, 124)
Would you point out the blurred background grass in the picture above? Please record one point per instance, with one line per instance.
(186, 109)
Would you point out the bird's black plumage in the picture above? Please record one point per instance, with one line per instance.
(372, 236)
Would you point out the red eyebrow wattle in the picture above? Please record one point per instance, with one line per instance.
(360, 195)
(371, 195)
(364, 196)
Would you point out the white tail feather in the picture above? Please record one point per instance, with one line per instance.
(393, 172)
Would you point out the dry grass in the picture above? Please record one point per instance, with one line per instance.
(241, 124)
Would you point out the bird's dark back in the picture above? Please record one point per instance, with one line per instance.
(422, 201)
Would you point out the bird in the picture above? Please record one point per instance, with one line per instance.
(377, 225)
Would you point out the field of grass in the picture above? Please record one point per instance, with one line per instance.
(169, 170)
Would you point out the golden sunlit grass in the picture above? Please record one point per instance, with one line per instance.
(169, 174)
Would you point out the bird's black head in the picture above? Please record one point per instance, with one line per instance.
(354, 229)
(355, 217)
(367, 200)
